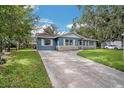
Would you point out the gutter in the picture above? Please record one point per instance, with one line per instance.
(91, 39)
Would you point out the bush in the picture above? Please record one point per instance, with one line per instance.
(2, 61)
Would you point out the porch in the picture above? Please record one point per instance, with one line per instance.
(73, 44)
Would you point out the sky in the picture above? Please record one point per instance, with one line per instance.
(60, 15)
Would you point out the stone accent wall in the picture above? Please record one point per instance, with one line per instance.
(63, 48)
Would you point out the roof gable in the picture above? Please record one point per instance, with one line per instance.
(71, 34)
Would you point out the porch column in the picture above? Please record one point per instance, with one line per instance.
(88, 43)
(42, 42)
(73, 42)
(81, 42)
(63, 42)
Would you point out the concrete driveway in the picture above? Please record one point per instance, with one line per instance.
(66, 69)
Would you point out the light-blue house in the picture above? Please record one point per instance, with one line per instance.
(68, 41)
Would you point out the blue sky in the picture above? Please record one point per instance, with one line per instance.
(61, 15)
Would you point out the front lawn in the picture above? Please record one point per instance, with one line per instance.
(112, 58)
(24, 69)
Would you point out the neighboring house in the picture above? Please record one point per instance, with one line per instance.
(118, 44)
(68, 41)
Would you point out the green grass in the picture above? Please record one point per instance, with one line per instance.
(111, 58)
(24, 69)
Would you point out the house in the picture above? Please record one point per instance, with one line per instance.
(68, 41)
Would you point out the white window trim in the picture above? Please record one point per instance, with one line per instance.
(69, 42)
(43, 42)
(85, 43)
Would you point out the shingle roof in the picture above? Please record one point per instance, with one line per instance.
(82, 37)
(91, 39)
(45, 35)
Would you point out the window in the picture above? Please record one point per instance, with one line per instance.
(84, 43)
(47, 42)
(80, 42)
(68, 42)
(91, 43)
(71, 42)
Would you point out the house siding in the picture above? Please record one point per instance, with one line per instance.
(41, 47)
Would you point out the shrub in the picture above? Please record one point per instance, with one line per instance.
(2, 61)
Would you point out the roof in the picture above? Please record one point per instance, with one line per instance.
(91, 39)
(82, 37)
(72, 33)
(45, 35)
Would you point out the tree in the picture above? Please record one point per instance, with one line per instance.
(52, 29)
(16, 24)
(104, 23)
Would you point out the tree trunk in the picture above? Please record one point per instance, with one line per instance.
(0, 59)
(8, 47)
(1, 49)
(17, 46)
(1, 46)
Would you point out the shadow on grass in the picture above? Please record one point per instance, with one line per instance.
(24, 69)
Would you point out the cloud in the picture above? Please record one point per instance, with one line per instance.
(36, 7)
(69, 26)
(46, 21)
(33, 6)
(29, 6)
